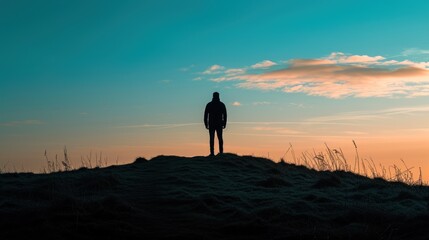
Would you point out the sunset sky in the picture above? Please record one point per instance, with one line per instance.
(132, 78)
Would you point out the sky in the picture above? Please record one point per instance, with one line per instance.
(123, 79)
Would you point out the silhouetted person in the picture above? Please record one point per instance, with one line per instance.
(215, 121)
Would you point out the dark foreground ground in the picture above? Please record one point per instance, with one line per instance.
(225, 197)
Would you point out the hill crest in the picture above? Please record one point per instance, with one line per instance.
(222, 197)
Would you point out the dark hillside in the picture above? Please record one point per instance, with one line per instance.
(223, 197)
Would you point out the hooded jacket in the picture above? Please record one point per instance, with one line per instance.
(215, 114)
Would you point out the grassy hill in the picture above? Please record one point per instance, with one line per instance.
(222, 197)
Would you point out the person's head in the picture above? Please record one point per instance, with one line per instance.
(216, 96)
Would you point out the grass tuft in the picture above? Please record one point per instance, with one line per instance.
(334, 160)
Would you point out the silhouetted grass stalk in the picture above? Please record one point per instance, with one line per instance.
(334, 160)
(66, 164)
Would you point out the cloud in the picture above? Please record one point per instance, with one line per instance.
(340, 57)
(405, 110)
(262, 103)
(261, 124)
(355, 133)
(21, 123)
(369, 115)
(161, 126)
(279, 130)
(236, 104)
(214, 69)
(414, 51)
(297, 105)
(264, 64)
(235, 71)
(341, 75)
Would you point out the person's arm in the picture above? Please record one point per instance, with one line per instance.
(224, 116)
(206, 115)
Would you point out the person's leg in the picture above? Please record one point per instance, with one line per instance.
(212, 135)
(220, 138)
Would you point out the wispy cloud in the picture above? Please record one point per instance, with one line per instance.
(339, 57)
(160, 126)
(262, 103)
(415, 51)
(223, 73)
(264, 64)
(214, 69)
(279, 130)
(297, 105)
(236, 104)
(235, 71)
(261, 123)
(369, 115)
(355, 133)
(341, 75)
(21, 123)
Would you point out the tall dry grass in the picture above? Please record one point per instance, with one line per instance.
(96, 160)
(334, 160)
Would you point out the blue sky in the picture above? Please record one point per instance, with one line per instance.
(94, 75)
